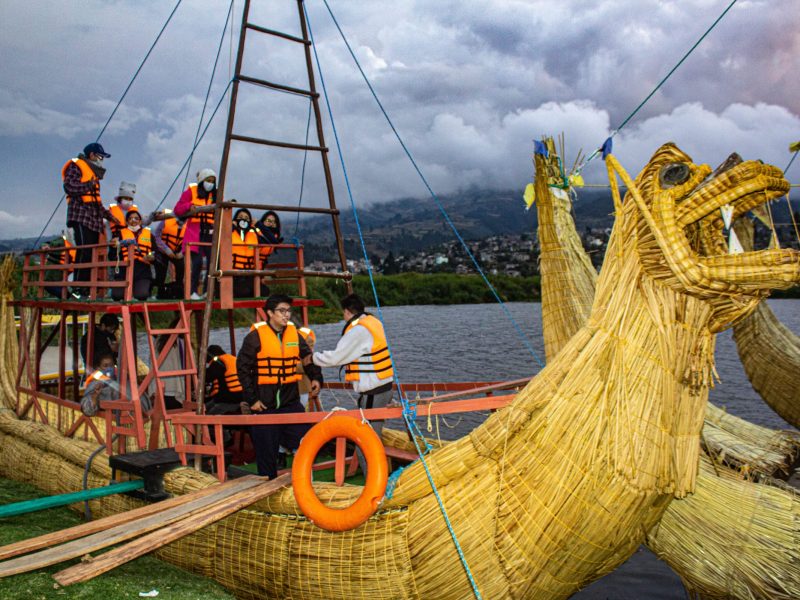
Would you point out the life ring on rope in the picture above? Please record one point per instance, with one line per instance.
(335, 519)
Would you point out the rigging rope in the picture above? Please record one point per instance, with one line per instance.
(208, 90)
(597, 151)
(433, 195)
(409, 410)
(200, 139)
(113, 112)
(303, 170)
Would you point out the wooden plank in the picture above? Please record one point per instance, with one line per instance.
(123, 532)
(84, 529)
(118, 556)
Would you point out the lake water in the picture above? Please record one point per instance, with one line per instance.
(455, 343)
(480, 343)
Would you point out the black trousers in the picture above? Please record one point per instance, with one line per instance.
(267, 438)
(142, 282)
(84, 237)
(162, 269)
(197, 255)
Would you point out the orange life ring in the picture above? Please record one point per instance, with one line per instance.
(364, 507)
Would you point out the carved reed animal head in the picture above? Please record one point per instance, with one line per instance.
(682, 239)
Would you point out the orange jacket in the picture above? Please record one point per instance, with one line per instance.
(277, 360)
(143, 243)
(378, 360)
(86, 175)
(243, 249)
(231, 378)
(172, 234)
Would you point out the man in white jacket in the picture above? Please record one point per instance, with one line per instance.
(364, 353)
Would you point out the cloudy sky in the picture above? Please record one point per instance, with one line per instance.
(468, 83)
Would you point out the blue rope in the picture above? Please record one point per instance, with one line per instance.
(200, 139)
(111, 116)
(303, 171)
(594, 154)
(474, 260)
(208, 90)
(409, 413)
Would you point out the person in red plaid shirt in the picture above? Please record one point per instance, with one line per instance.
(85, 210)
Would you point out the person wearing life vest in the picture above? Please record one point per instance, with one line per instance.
(98, 384)
(138, 241)
(167, 236)
(199, 224)
(364, 353)
(268, 228)
(224, 394)
(267, 368)
(122, 203)
(85, 210)
(63, 253)
(243, 251)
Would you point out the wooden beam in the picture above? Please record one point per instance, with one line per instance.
(123, 554)
(125, 531)
(84, 529)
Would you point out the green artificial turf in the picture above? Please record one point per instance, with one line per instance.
(127, 581)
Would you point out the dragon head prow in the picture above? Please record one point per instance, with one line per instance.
(681, 239)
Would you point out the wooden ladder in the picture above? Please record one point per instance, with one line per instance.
(180, 329)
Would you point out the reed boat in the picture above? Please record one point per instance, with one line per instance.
(734, 468)
(555, 489)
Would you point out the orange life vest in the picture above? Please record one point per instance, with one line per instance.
(172, 234)
(62, 258)
(231, 376)
(306, 332)
(378, 360)
(96, 376)
(243, 249)
(207, 217)
(277, 360)
(119, 213)
(142, 247)
(86, 175)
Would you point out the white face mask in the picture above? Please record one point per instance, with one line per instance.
(208, 186)
(125, 203)
(134, 228)
(244, 224)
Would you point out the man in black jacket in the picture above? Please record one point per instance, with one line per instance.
(267, 369)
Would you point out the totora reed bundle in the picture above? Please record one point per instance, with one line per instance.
(708, 521)
(559, 487)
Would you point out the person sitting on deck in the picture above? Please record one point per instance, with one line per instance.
(136, 239)
(102, 386)
(167, 235)
(224, 394)
(267, 369)
(364, 352)
(243, 250)
(268, 228)
(105, 338)
(85, 210)
(98, 385)
(199, 225)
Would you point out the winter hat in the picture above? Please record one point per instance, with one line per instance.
(126, 190)
(204, 174)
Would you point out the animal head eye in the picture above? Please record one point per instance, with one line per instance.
(673, 174)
